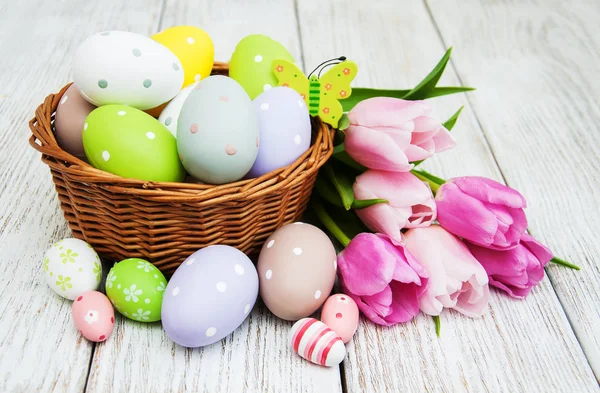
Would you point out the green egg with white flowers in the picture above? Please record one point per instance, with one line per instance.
(128, 142)
(250, 64)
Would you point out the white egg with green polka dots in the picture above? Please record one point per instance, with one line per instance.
(118, 67)
(72, 267)
(169, 116)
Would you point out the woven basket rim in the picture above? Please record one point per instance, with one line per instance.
(43, 140)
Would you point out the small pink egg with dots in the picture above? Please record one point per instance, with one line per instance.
(340, 313)
(93, 315)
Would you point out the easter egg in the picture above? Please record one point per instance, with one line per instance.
(194, 49)
(340, 314)
(250, 63)
(210, 294)
(136, 287)
(130, 143)
(296, 267)
(284, 127)
(170, 114)
(315, 342)
(93, 316)
(119, 67)
(72, 267)
(71, 112)
(217, 131)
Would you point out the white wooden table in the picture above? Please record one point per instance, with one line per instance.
(533, 123)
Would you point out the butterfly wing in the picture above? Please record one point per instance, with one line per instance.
(288, 74)
(335, 85)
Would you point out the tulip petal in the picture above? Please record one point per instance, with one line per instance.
(375, 150)
(365, 265)
(464, 216)
(386, 111)
(473, 306)
(443, 140)
(491, 191)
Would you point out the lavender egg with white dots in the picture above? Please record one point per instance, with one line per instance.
(296, 270)
(209, 296)
(285, 130)
(120, 67)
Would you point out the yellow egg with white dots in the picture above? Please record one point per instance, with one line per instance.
(193, 47)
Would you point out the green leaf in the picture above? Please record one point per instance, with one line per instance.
(342, 183)
(344, 122)
(447, 90)
(339, 149)
(347, 220)
(421, 91)
(327, 191)
(345, 158)
(361, 93)
(428, 176)
(449, 124)
(364, 203)
(562, 262)
(438, 325)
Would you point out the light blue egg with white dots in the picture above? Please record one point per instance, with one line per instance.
(119, 67)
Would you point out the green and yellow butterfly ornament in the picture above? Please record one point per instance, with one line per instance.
(320, 93)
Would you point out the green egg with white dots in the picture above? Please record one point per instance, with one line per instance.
(130, 143)
(251, 61)
(136, 287)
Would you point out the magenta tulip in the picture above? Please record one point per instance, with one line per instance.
(382, 278)
(482, 211)
(390, 133)
(515, 271)
(456, 279)
(411, 203)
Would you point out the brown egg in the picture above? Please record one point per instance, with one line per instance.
(157, 110)
(296, 269)
(70, 116)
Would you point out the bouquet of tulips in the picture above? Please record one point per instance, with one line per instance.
(415, 242)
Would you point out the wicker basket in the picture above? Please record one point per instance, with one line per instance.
(165, 222)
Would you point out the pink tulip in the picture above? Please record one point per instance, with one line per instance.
(382, 278)
(411, 203)
(390, 133)
(482, 211)
(456, 279)
(515, 271)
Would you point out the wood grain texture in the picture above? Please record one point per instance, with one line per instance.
(257, 357)
(40, 349)
(537, 64)
(525, 346)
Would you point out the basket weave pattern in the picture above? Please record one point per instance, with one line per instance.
(165, 222)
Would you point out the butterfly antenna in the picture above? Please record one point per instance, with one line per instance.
(324, 64)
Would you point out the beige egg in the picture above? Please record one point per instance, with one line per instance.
(296, 268)
(70, 116)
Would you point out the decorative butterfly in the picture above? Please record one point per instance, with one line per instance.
(321, 94)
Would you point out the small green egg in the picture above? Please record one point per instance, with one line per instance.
(130, 143)
(250, 63)
(136, 287)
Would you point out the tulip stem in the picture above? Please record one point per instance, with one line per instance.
(438, 326)
(326, 219)
(562, 262)
(431, 180)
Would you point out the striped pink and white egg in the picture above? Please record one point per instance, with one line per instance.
(317, 343)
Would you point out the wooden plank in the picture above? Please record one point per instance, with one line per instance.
(41, 351)
(525, 346)
(256, 358)
(537, 64)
